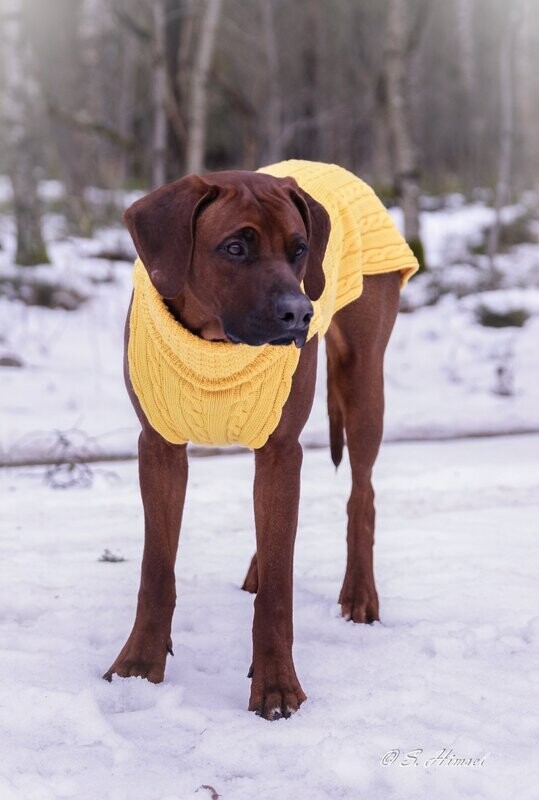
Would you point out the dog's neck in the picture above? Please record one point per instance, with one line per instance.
(190, 313)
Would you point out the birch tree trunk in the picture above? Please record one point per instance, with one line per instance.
(64, 59)
(310, 61)
(526, 105)
(381, 164)
(473, 133)
(126, 100)
(160, 121)
(271, 105)
(405, 164)
(507, 103)
(196, 138)
(20, 101)
(465, 29)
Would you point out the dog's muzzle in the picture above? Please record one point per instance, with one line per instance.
(293, 314)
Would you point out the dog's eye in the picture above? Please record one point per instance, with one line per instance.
(300, 250)
(235, 249)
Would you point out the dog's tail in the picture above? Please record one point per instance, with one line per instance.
(336, 418)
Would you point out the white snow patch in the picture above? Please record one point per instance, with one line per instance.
(452, 665)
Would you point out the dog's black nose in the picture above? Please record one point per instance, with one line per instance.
(294, 311)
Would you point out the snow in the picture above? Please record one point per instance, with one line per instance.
(506, 300)
(447, 232)
(451, 668)
(51, 191)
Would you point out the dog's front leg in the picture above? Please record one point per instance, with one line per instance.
(163, 479)
(275, 690)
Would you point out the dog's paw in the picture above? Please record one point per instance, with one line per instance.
(142, 657)
(275, 690)
(359, 605)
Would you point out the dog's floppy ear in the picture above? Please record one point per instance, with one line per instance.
(162, 224)
(318, 227)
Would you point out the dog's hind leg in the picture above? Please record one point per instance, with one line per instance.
(355, 344)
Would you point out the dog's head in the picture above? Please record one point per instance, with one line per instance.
(237, 246)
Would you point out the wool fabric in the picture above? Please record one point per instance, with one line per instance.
(218, 393)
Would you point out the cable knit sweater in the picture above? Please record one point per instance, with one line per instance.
(216, 393)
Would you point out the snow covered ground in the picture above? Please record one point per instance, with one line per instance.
(450, 673)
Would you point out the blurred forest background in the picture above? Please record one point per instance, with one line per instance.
(413, 95)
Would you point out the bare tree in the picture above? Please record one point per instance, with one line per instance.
(405, 161)
(383, 88)
(196, 139)
(126, 100)
(507, 127)
(467, 50)
(21, 98)
(161, 33)
(526, 104)
(272, 106)
(67, 77)
(311, 73)
(381, 163)
(160, 124)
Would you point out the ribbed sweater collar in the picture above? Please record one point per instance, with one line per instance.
(213, 366)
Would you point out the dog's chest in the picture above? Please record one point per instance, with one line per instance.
(208, 393)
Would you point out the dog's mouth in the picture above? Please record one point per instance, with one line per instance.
(283, 340)
(233, 339)
(298, 339)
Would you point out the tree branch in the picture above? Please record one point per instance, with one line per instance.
(83, 122)
(134, 27)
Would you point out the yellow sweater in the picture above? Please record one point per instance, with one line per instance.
(216, 393)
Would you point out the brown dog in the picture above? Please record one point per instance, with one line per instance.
(229, 252)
